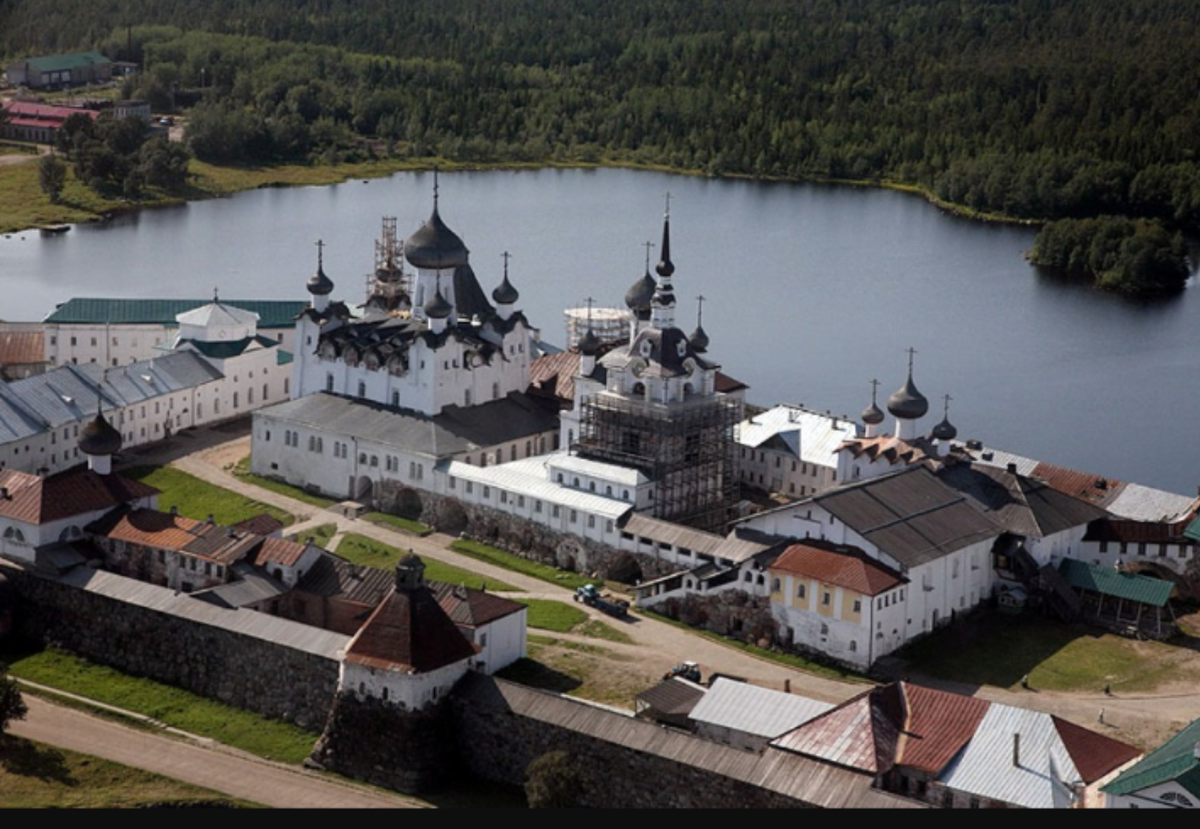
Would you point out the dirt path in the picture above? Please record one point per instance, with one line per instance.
(1144, 720)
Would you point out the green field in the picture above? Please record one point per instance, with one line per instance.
(199, 499)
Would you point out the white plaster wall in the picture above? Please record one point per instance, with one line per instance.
(410, 691)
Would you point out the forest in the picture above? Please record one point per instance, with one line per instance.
(1035, 110)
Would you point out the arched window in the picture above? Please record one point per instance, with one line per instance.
(362, 389)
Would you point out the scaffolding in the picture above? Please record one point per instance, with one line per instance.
(687, 449)
(389, 283)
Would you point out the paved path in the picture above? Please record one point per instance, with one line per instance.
(199, 762)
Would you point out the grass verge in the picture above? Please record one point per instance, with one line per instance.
(500, 558)
(320, 535)
(395, 522)
(790, 660)
(199, 499)
(258, 735)
(37, 776)
(367, 552)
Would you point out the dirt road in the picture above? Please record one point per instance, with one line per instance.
(203, 764)
(1143, 720)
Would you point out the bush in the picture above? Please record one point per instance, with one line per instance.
(551, 782)
(12, 705)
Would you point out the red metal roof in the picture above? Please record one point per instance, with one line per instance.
(939, 724)
(838, 565)
(33, 499)
(151, 528)
(409, 631)
(553, 375)
(1094, 755)
(860, 734)
(38, 115)
(1087, 486)
(279, 551)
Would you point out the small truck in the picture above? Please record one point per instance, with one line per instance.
(590, 596)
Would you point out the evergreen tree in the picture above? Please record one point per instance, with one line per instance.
(52, 176)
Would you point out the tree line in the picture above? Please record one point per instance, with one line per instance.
(1030, 109)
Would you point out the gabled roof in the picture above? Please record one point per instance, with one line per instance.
(217, 313)
(938, 725)
(806, 435)
(64, 63)
(751, 709)
(674, 696)
(334, 577)
(22, 347)
(409, 632)
(272, 313)
(838, 565)
(909, 515)
(1137, 588)
(1175, 761)
(1031, 759)
(32, 499)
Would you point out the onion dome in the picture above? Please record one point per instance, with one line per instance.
(872, 415)
(944, 431)
(319, 284)
(438, 308)
(505, 293)
(666, 267)
(906, 402)
(435, 245)
(640, 295)
(100, 438)
(698, 340)
(589, 345)
(389, 272)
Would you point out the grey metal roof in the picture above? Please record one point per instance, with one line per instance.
(1023, 505)
(729, 548)
(1143, 503)
(250, 588)
(674, 696)
(800, 778)
(452, 432)
(910, 515)
(333, 576)
(516, 478)
(754, 710)
(245, 622)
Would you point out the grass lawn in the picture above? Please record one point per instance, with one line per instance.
(198, 499)
(271, 739)
(320, 535)
(990, 649)
(395, 522)
(508, 561)
(367, 552)
(37, 776)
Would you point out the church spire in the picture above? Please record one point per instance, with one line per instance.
(663, 307)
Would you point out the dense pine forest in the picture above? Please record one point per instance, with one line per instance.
(1028, 109)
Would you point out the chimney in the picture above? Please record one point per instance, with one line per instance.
(1012, 467)
(1017, 750)
(174, 509)
(3, 493)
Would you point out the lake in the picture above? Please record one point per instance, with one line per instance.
(811, 293)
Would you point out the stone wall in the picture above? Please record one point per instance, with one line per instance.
(243, 671)
(499, 745)
(373, 741)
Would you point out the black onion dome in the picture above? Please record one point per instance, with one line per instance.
(944, 431)
(505, 293)
(699, 340)
(438, 308)
(435, 245)
(666, 267)
(100, 438)
(589, 344)
(640, 295)
(389, 272)
(319, 284)
(872, 415)
(907, 403)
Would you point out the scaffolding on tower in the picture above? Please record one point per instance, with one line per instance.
(687, 449)
(389, 287)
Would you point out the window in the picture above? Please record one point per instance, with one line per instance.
(858, 605)
(591, 522)
(775, 585)
(396, 399)
(826, 598)
(800, 591)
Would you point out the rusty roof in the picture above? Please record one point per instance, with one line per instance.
(409, 631)
(469, 607)
(861, 734)
(261, 524)
(938, 725)
(554, 375)
(279, 551)
(838, 565)
(1095, 489)
(22, 348)
(890, 448)
(334, 577)
(32, 499)
(148, 527)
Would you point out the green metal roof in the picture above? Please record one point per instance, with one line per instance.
(63, 63)
(1193, 530)
(1144, 589)
(1175, 761)
(226, 350)
(272, 313)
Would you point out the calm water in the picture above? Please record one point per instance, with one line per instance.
(811, 292)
